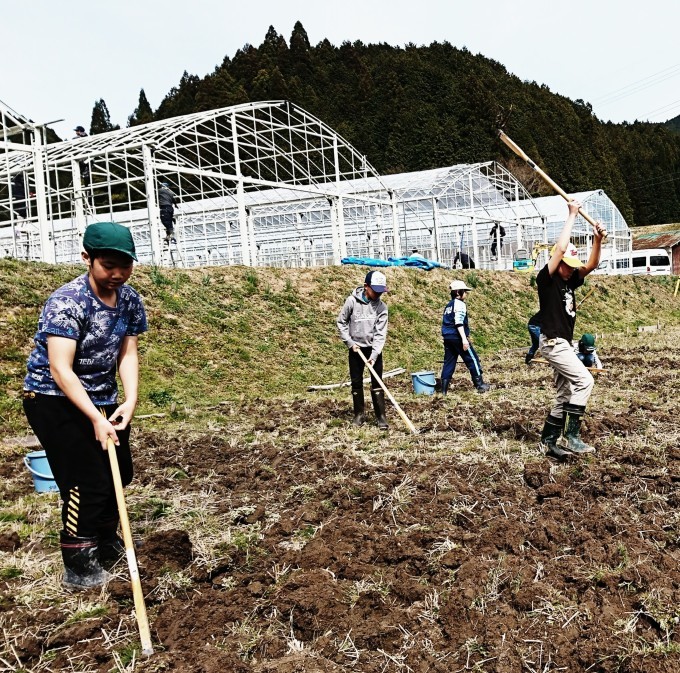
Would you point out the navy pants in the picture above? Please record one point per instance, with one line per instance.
(166, 213)
(79, 465)
(454, 348)
(535, 333)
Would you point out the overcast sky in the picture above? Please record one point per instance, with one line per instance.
(58, 58)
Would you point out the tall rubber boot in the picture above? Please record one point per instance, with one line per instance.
(552, 429)
(571, 435)
(358, 401)
(111, 545)
(378, 397)
(445, 386)
(82, 569)
(479, 384)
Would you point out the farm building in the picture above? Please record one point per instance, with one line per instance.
(262, 183)
(663, 237)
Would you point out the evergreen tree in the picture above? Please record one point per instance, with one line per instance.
(421, 107)
(101, 120)
(143, 113)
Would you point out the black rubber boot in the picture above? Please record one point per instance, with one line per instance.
(358, 401)
(111, 545)
(479, 384)
(378, 397)
(82, 569)
(528, 358)
(571, 436)
(445, 386)
(552, 430)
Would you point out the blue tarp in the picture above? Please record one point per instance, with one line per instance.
(414, 261)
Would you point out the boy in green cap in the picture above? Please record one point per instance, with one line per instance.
(87, 331)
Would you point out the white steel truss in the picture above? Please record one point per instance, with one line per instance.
(262, 183)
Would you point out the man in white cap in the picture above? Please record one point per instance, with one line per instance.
(362, 325)
(557, 282)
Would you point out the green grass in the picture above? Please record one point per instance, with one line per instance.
(230, 332)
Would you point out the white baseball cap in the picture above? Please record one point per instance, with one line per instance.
(377, 281)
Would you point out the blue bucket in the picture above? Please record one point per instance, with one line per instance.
(423, 383)
(40, 470)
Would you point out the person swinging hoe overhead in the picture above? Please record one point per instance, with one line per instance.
(557, 282)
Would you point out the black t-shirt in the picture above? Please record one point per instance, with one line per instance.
(558, 303)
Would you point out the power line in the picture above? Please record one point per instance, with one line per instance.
(638, 85)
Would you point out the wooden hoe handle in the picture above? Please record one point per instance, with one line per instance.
(404, 417)
(546, 178)
(138, 595)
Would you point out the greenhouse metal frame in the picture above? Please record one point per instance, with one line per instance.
(261, 183)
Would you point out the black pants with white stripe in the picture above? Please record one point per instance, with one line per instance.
(79, 465)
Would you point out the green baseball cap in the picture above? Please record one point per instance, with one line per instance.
(109, 236)
(588, 340)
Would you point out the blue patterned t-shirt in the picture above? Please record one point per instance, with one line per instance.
(75, 312)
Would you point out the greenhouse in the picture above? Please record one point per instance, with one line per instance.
(262, 183)
(599, 206)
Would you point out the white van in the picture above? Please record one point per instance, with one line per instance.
(618, 264)
(653, 262)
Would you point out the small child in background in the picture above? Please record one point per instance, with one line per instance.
(585, 350)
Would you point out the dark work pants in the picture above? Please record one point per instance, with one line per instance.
(452, 349)
(80, 466)
(166, 213)
(356, 368)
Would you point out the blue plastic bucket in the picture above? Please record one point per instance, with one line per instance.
(40, 470)
(423, 383)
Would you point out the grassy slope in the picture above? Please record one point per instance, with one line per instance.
(222, 333)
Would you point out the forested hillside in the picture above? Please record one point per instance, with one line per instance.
(419, 107)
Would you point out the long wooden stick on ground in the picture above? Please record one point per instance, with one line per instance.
(541, 361)
(404, 417)
(137, 594)
(331, 386)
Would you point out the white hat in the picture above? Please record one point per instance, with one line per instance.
(459, 285)
(377, 281)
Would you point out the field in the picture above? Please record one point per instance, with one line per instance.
(277, 537)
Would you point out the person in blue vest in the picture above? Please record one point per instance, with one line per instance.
(456, 332)
(87, 334)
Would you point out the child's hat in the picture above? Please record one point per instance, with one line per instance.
(570, 257)
(109, 236)
(459, 285)
(377, 281)
(588, 340)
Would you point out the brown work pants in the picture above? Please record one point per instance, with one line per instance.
(573, 381)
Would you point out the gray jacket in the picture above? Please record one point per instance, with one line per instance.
(166, 197)
(363, 322)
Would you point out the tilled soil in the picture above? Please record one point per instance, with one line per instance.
(287, 541)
